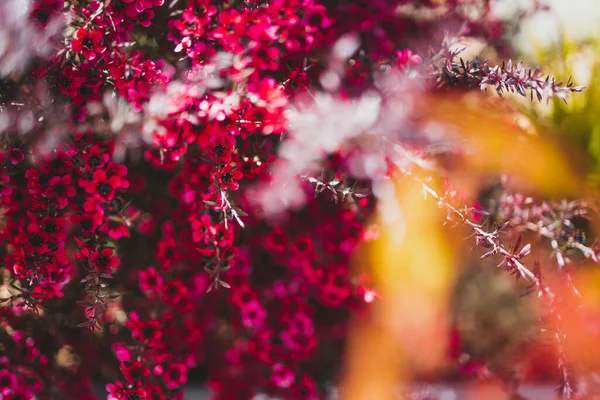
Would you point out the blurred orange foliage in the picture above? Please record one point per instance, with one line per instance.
(413, 262)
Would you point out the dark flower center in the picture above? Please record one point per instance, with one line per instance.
(87, 43)
(102, 261)
(44, 179)
(148, 331)
(42, 16)
(60, 189)
(7, 89)
(86, 224)
(200, 10)
(315, 19)
(57, 163)
(246, 167)
(65, 82)
(50, 227)
(137, 374)
(9, 168)
(244, 40)
(116, 203)
(89, 90)
(36, 240)
(219, 150)
(174, 374)
(172, 290)
(104, 189)
(5, 381)
(262, 53)
(94, 161)
(226, 177)
(152, 280)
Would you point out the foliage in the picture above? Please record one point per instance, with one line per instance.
(187, 187)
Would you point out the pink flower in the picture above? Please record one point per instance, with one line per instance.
(175, 375)
(253, 314)
(88, 43)
(228, 178)
(406, 57)
(8, 382)
(282, 376)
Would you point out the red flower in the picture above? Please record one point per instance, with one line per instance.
(303, 245)
(36, 239)
(94, 158)
(305, 389)
(61, 189)
(335, 289)
(297, 82)
(88, 43)
(167, 252)
(175, 375)
(88, 222)
(135, 394)
(8, 381)
(115, 229)
(116, 391)
(101, 184)
(176, 294)
(266, 57)
(253, 314)
(228, 178)
(276, 240)
(134, 372)
(19, 394)
(242, 295)
(282, 375)
(406, 57)
(221, 147)
(104, 259)
(146, 332)
(54, 227)
(16, 156)
(70, 81)
(150, 280)
(155, 392)
(38, 179)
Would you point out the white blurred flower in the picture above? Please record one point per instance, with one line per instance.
(346, 45)
(120, 112)
(342, 50)
(20, 38)
(315, 130)
(365, 129)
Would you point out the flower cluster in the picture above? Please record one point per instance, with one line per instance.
(184, 185)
